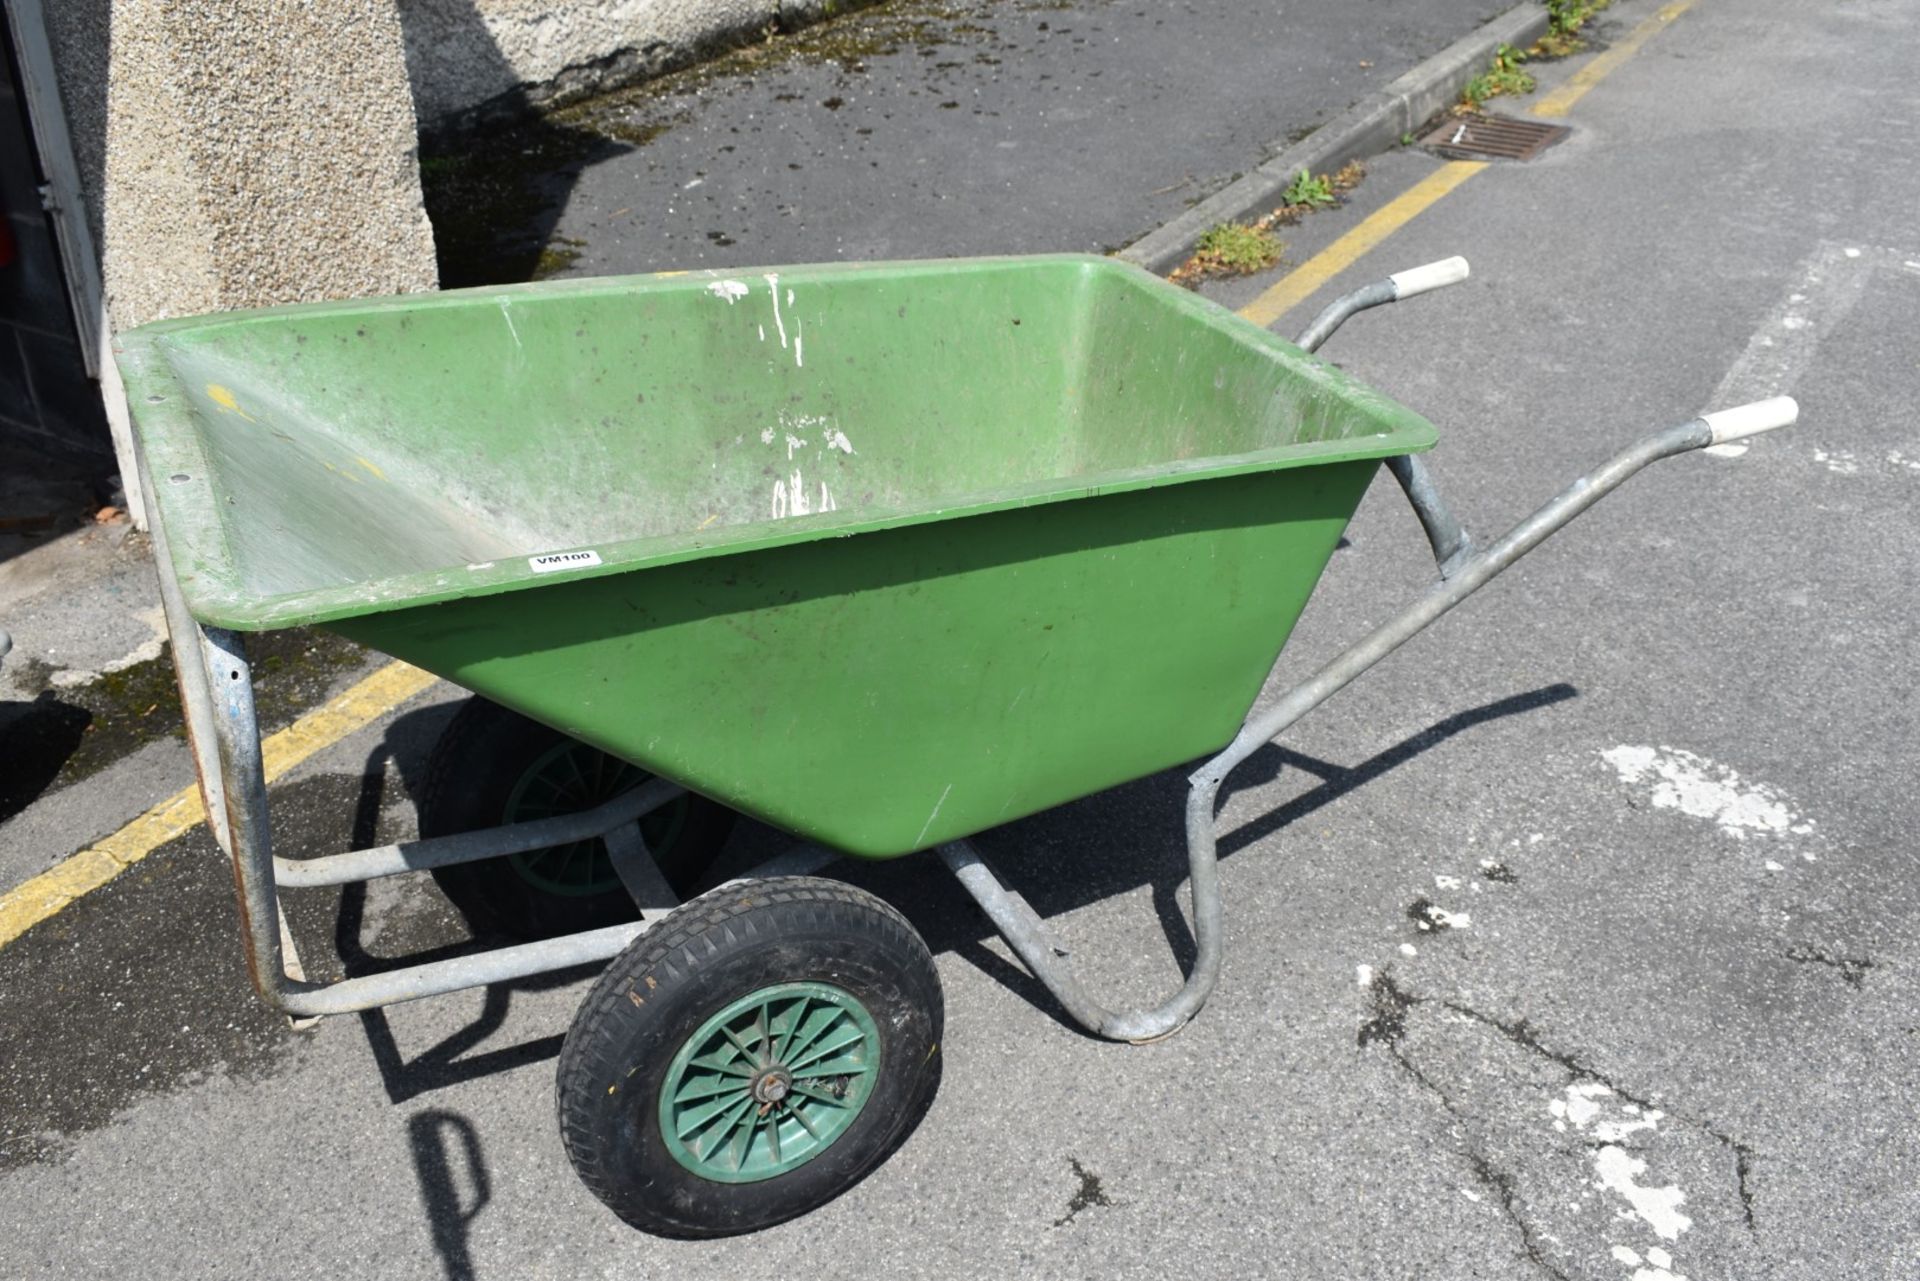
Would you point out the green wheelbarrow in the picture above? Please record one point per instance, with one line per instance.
(880, 555)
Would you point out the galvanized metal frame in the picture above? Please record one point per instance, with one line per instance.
(216, 687)
(223, 731)
(227, 745)
(1462, 570)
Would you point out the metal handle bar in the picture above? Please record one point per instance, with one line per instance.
(1395, 288)
(1448, 538)
(1029, 935)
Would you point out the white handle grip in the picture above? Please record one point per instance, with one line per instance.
(1435, 275)
(1750, 420)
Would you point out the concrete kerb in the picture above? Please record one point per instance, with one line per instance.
(1372, 125)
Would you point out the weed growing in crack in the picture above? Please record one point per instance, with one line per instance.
(1225, 249)
(1306, 189)
(1230, 249)
(1564, 20)
(1504, 78)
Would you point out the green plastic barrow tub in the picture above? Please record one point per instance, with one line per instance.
(883, 555)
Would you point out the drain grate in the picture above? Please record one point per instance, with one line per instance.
(1492, 138)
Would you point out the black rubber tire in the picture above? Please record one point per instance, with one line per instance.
(471, 775)
(705, 955)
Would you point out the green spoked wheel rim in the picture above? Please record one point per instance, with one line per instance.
(769, 1082)
(569, 778)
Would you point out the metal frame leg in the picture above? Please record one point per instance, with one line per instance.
(214, 668)
(189, 667)
(249, 844)
(1449, 540)
(242, 787)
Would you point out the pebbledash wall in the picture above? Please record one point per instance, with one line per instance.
(239, 153)
(471, 60)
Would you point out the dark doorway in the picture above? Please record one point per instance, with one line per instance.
(55, 452)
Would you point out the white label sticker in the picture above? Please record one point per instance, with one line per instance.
(562, 560)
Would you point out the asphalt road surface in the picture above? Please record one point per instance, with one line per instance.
(1576, 941)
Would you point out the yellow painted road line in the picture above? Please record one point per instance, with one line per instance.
(1557, 103)
(1303, 281)
(28, 904)
(333, 720)
(1298, 284)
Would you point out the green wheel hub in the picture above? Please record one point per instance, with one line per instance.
(566, 779)
(769, 1082)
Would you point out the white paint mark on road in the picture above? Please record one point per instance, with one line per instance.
(1617, 1131)
(1823, 292)
(1659, 1207)
(1658, 1262)
(1363, 975)
(1597, 1113)
(837, 439)
(1435, 917)
(1698, 787)
(1843, 462)
(1581, 1104)
(731, 290)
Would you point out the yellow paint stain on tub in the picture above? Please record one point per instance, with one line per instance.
(222, 397)
(377, 473)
